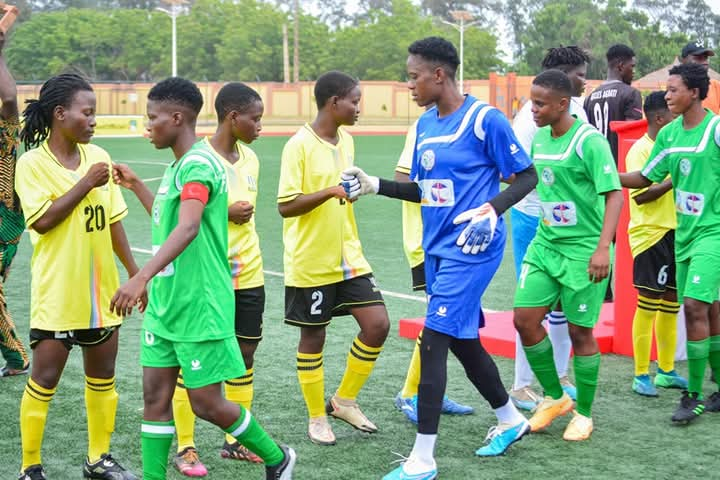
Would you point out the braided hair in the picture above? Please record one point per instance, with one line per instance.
(565, 58)
(38, 114)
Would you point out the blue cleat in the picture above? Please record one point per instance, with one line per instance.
(642, 385)
(400, 474)
(670, 379)
(451, 407)
(408, 406)
(568, 388)
(500, 437)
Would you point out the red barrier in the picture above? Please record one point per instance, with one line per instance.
(625, 294)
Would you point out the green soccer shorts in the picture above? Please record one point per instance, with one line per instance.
(202, 363)
(698, 277)
(547, 276)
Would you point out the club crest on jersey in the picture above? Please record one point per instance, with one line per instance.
(149, 338)
(689, 203)
(437, 193)
(685, 166)
(252, 183)
(427, 159)
(559, 214)
(548, 177)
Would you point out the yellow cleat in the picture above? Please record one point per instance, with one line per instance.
(579, 428)
(320, 432)
(349, 411)
(548, 410)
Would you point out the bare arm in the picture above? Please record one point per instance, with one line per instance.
(599, 265)
(634, 180)
(126, 178)
(655, 191)
(8, 89)
(402, 177)
(305, 203)
(121, 247)
(183, 234)
(97, 175)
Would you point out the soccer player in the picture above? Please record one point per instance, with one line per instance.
(13, 223)
(569, 259)
(406, 399)
(74, 217)
(688, 149)
(652, 241)
(326, 274)
(697, 52)
(525, 216)
(189, 318)
(463, 148)
(615, 99)
(239, 109)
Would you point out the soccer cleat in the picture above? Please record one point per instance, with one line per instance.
(548, 410)
(568, 387)
(406, 469)
(349, 412)
(670, 379)
(579, 428)
(525, 398)
(642, 385)
(6, 371)
(282, 471)
(188, 463)
(106, 468)
(238, 451)
(33, 472)
(712, 404)
(451, 407)
(500, 437)
(689, 409)
(320, 432)
(408, 407)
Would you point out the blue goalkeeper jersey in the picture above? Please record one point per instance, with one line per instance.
(457, 164)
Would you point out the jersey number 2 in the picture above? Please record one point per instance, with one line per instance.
(95, 218)
(317, 296)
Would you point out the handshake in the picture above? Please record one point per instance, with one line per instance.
(356, 182)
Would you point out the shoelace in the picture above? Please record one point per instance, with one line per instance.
(400, 460)
(493, 432)
(191, 456)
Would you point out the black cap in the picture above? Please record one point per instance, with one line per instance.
(696, 48)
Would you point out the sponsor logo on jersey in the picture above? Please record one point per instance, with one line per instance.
(607, 169)
(559, 214)
(169, 270)
(195, 365)
(696, 279)
(582, 308)
(442, 311)
(548, 177)
(437, 193)
(689, 203)
(149, 338)
(514, 149)
(156, 214)
(163, 189)
(427, 159)
(685, 166)
(252, 183)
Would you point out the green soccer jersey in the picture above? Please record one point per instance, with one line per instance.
(574, 171)
(692, 159)
(191, 300)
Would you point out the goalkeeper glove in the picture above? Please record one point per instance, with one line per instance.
(354, 176)
(476, 237)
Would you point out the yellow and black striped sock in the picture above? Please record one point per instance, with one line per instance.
(101, 401)
(183, 415)
(311, 376)
(642, 330)
(666, 334)
(240, 391)
(33, 414)
(360, 362)
(412, 379)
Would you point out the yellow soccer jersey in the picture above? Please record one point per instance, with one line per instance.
(73, 265)
(244, 254)
(650, 221)
(321, 246)
(411, 216)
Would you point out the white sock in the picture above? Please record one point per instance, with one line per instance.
(523, 373)
(560, 339)
(509, 414)
(422, 457)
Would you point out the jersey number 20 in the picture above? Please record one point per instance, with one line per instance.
(94, 218)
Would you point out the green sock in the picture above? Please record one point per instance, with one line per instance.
(697, 352)
(248, 432)
(540, 358)
(156, 440)
(587, 369)
(714, 355)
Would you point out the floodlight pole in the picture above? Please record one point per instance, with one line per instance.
(461, 16)
(175, 10)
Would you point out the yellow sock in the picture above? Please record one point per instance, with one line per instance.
(240, 391)
(412, 379)
(642, 333)
(666, 334)
(33, 413)
(312, 382)
(360, 363)
(184, 416)
(101, 401)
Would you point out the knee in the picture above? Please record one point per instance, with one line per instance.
(207, 410)
(312, 339)
(580, 336)
(248, 353)
(695, 310)
(380, 329)
(157, 404)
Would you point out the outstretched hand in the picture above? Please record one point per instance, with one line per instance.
(478, 235)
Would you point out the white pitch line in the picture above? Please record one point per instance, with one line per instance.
(146, 162)
(153, 179)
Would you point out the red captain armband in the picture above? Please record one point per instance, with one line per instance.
(195, 191)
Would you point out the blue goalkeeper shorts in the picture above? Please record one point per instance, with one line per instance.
(524, 228)
(455, 290)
